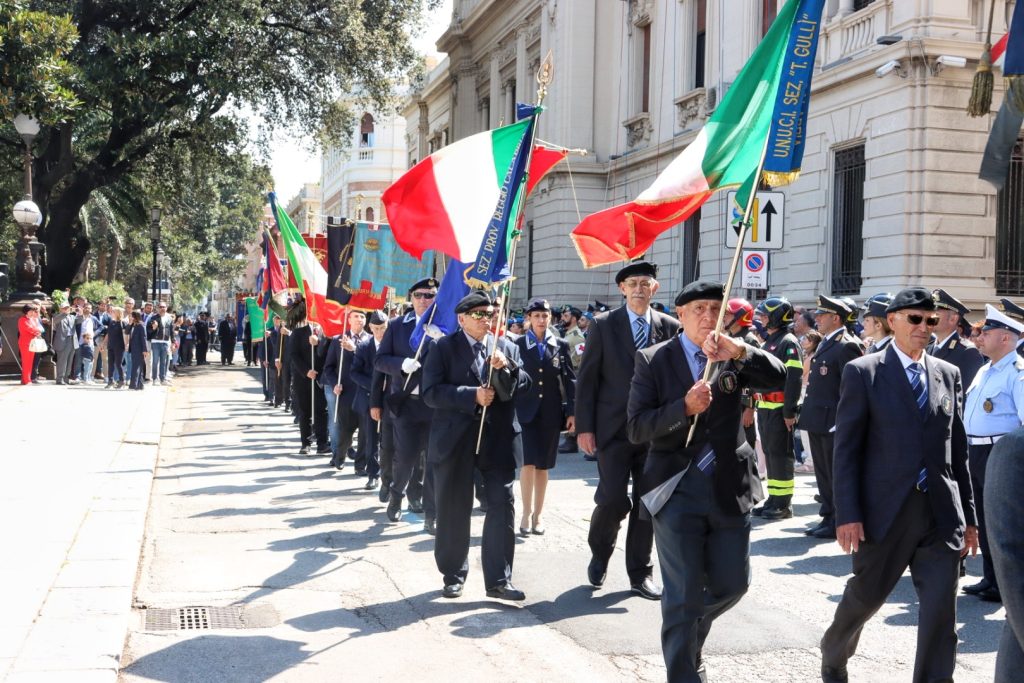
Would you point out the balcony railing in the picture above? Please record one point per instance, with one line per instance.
(366, 155)
(847, 37)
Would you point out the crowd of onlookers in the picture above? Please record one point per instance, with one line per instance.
(112, 343)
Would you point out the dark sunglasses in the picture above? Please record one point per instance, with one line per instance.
(423, 295)
(917, 319)
(481, 315)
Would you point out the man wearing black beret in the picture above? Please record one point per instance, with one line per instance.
(903, 495)
(397, 358)
(605, 371)
(818, 413)
(465, 373)
(699, 495)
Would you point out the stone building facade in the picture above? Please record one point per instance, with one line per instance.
(888, 196)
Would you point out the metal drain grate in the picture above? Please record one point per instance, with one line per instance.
(193, 618)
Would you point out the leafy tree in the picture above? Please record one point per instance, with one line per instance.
(157, 74)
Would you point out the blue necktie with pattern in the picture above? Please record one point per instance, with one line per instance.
(706, 459)
(921, 396)
(640, 334)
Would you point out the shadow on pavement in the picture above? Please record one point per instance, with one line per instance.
(833, 565)
(220, 658)
(781, 547)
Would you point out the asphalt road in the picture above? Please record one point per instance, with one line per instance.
(328, 590)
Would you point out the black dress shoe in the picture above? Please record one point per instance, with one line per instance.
(817, 498)
(430, 526)
(395, 507)
(778, 513)
(596, 572)
(338, 464)
(385, 491)
(646, 589)
(323, 450)
(991, 594)
(359, 471)
(304, 450)
(415, 505)
(977, 588)
(816, 528)
(834, 674)
(371, 484)
(590, 458)
(506, 592)
(825, 533)
(452, 591)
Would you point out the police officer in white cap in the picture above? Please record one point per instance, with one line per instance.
(994, 407)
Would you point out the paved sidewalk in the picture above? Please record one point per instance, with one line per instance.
(74, 494)
(324, 589)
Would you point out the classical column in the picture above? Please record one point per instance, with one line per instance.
(466, 118)
(845, 7)
(496, 95)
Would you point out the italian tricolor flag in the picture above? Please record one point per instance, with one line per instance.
(446, 201)
(310, 275)
(726, 152)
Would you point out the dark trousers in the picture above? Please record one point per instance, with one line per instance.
(386, 447)
(201, 348)
(877, 567)
(705, 568)
(979, 463)
(279, 386)
(114, 358)
(138, 369)
(616, 463)
(454, 479)
(369, 442)
(227, 350)
(777, 442)
(312, 412)
(821, 453)
(286, 382)
(343, 429)
(247, 351)
(1005, 470)
(409, 472)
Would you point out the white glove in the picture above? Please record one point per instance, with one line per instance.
(410, 365)
(433, 331)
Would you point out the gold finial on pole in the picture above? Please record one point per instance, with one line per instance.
(545, 74)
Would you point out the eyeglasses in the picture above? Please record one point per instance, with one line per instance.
(917, 319)
(481, 315)
(423, 295)
(637, 284)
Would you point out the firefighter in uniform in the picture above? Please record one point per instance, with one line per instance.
(739, 318)
(777, 410)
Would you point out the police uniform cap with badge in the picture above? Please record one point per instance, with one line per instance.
(1017, 313)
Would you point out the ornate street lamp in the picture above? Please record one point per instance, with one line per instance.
(30, 253)
(154, 235)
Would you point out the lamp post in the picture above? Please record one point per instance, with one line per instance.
(30, 254)
(159, 275)
(154, 235)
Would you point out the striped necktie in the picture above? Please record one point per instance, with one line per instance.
(706, 459)
(921, 396)
(640, 333)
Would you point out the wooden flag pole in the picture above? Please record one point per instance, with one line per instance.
(419, 347)
(737, 253)
(544, 77)
(341, 365)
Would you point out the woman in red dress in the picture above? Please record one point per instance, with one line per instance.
(29, 328)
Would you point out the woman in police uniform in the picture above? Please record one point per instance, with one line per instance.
(543, 411)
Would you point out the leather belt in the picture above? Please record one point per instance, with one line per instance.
(984, 440)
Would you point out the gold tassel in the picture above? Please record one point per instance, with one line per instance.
(1015, 91)
(981, 90)
(777, 179)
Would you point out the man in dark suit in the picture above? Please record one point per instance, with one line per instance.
(455, 384)
(379, 388)
(203, 337)
(340, 390)
(950, 346)
(306, 365)
(699, 495)
(402, 363)
(228, 334)
(1005, 508)
(605, 371)
(362, 375)
(818, 413)
(902, 489)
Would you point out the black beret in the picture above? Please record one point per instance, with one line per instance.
(876, 305)
(944, 299)
(474, 299)
(637, 268)
(425, 283)
(701, 289)
(827, 304)
(1011, 309)
(912, 297)
(537, 305)
(575, 312)
(377, 318)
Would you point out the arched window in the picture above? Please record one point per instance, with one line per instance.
(366, 131)
(369, 215)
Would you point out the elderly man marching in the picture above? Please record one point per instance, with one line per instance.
(469, 377)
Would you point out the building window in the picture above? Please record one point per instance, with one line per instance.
(769, 10)
(1010, 228)
(848, 220)
(369, 215)
(699, 42)
(691, 249)
(645, 69)
(861, 4)
(366, 131)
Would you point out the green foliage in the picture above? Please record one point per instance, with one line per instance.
(98, 290)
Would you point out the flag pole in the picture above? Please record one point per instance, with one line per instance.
(341, 365)
(419, 347)
(544, 77)
(737, 253)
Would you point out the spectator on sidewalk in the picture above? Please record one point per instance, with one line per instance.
(187, 340)
(162, 332)
(228, 333)
(137, 350)
(102, 368)
(64, 342)
(88, 354)
(116, 330)
(29, 329)
(87, 324)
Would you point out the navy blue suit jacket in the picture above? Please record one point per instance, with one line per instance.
(818, 411)
(882, 441)
(395, 348)
(962, 354)
(560, 378)
(362, 374)
(449, 387)
(333, 358)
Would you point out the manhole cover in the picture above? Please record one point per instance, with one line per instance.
(201, 618)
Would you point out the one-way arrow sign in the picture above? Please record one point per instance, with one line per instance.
(767, 224)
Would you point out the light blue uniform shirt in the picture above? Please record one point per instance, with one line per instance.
(1002, 383)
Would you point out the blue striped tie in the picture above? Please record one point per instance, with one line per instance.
(921, 396)
(706, 459)
(640, 335)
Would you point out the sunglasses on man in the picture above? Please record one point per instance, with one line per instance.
(423, 295)
(917, 319)
(481, 315)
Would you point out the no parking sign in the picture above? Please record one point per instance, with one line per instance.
(755, 270)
